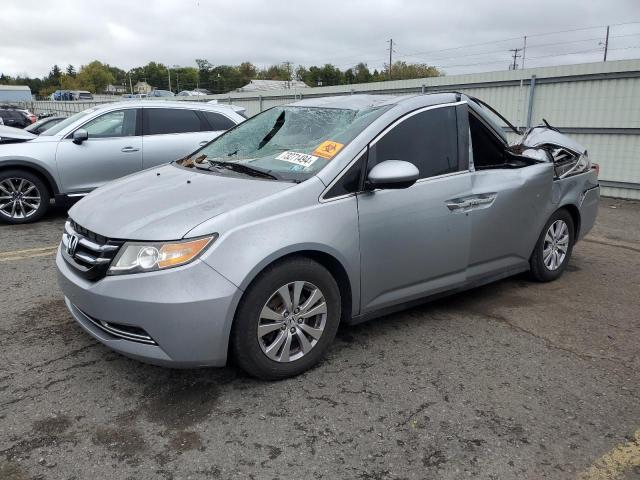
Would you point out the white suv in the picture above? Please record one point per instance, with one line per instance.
(97, 145)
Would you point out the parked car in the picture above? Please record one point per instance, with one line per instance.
(16, 117)
(190, 93)
(160, 93)
(98, 145)
(43, 124)
(323, 211)
(236, 108)
(81, 95)
(62, 95)
(13, 135)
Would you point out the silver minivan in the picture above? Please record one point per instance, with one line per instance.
(98, 145)
(321, 212)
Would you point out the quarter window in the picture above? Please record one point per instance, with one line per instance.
(218, 121)
(427, 139)
(121, 123)
(160, 121)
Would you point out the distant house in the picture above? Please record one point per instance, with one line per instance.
(15, 93)
(267, 85)
(114, 89)
(142, 87)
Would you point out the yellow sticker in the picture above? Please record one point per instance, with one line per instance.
(328, 149)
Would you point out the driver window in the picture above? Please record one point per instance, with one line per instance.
(121, 123)
(428, 139)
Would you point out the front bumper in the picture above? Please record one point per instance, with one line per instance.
(187, 311)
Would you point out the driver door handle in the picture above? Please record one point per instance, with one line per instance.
(129, 149)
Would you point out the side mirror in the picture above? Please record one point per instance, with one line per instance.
(80, 136)
(393, 174)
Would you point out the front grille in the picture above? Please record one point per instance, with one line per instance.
(89, 253)
(126, 332)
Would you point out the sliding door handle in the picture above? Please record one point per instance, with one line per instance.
(129, 149)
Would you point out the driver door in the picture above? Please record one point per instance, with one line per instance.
(415, 241)
(113, 150)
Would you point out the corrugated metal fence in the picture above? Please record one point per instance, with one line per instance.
(597, 103)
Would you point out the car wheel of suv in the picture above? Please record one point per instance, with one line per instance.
(286, 320)
(24, 198)
(553, 250)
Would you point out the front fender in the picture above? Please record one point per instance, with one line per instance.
(330, 228)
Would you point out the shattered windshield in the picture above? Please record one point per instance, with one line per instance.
(288, 143)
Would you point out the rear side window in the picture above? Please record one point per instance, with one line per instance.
(218, 121)
(427, 139)
(487, 150)
(161, 121)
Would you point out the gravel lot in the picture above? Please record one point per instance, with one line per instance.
(515, 380)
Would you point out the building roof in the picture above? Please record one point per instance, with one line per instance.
(262, 85)
(14, 87)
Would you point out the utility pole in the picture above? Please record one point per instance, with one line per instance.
(606, 44)
(524, 50)
(390, 56)
(169, 73)
(515, 57)
(289, 69)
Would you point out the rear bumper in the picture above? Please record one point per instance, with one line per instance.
(588, 206)
(186, 311)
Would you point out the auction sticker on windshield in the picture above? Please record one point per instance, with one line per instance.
(328, 149)
(297, 158)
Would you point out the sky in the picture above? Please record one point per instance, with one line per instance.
(458, 37)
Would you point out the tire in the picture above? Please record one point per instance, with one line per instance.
(31, 205)
(545, 268)
(279, 325)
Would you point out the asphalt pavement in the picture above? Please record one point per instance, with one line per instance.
(514, 380)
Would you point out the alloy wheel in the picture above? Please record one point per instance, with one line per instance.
(292, 321)
(19, 198)
(556, 244)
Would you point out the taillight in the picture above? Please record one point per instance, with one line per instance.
(596, 167)
(33, 118)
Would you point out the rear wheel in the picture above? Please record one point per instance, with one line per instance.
(24, 198)
(286, 320)
(553, 250)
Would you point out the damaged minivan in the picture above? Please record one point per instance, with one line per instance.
(324, 211)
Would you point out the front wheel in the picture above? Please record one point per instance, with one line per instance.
(286, 320)
(24, 198)
(553, 250)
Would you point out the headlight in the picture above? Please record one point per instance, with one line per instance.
(138, 257)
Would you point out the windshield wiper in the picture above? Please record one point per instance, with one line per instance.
(275, 129)
(242, 168)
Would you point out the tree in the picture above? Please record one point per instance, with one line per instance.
(95, 77)
(54, 75)
(404, 71)
(362, 73)
(70, 82)
(275, 72)
(248, 72)
(71, 71)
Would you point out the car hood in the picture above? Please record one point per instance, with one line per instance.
(15, 134)
(165, 203)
